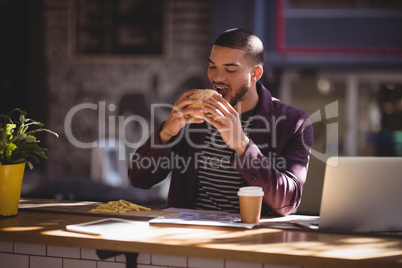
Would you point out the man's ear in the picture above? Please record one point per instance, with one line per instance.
(256, 73)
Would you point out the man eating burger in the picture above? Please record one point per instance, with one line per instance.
(238, 135)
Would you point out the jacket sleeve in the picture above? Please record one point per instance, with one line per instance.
(148, 164)
(282, 176)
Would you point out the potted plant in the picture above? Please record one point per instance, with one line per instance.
(19, 146)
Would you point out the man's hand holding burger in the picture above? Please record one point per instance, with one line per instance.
(226, 120)
(197, 105)
(181, 115)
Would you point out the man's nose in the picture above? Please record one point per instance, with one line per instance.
(218, 76)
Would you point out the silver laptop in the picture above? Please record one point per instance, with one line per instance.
(362, 194)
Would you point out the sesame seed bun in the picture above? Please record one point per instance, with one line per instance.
(205, 93)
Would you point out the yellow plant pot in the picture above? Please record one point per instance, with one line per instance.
(10, 188)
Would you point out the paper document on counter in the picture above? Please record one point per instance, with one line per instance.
(106, 226)
(225, 219)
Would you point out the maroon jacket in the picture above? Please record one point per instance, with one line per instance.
(276, 159)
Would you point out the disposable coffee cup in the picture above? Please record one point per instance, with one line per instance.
(250, 199)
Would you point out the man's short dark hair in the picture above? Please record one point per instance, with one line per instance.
(245, 40)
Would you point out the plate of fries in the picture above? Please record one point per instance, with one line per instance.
(121, 206)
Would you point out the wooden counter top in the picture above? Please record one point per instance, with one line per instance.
(256, 245)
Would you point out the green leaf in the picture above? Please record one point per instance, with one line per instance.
(42, 130)
(29, 164)
(21, 136)
(30, 138)
(9, 150)
(10, 128)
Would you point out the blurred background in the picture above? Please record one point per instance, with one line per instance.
(93, 71)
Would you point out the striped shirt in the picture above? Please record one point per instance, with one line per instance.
(218, 180)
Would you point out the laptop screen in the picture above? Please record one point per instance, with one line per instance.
(362, 194)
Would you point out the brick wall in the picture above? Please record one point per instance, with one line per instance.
(17, 255)
(70, 83)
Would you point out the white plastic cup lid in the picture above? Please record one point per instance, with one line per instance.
(250, 191)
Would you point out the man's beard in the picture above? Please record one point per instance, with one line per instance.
(240, 94)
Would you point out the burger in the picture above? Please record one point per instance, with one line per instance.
(205, 93)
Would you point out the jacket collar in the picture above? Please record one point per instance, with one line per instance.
(265, 106)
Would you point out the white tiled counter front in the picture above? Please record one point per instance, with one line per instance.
(20, 255)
